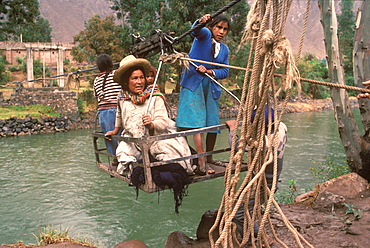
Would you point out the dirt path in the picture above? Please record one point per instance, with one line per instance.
(329, 228)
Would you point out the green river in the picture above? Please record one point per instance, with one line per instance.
(52, 179)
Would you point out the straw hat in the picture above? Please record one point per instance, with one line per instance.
(127, 64)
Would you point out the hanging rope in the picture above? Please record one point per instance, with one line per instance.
(270, 50)
(181, 57)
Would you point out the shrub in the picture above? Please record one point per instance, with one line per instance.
(287, 196)
(48, 235)
(327, 170)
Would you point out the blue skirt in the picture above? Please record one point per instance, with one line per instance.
(198, 109)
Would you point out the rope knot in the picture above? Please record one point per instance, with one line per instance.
(267, 40)
(175, 57)
(283, 56)
(252, 143)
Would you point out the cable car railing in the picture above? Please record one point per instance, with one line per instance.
(145, 143)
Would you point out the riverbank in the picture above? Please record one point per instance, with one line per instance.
(73, 192)
(29, 126)
(294, 105)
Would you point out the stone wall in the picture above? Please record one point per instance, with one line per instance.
(61, 101)
(15, 126)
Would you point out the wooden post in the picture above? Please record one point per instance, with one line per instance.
(29, 63)
(60, 69)
(149, 184)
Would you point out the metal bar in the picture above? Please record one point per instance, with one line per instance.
(214, 80)
(97, 158)
(164, 136)
(201, 25)
(191, 157)
(154, 84)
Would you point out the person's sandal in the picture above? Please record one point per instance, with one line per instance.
(203, 172)
(115, 162)
(218, 163)
(200, 171)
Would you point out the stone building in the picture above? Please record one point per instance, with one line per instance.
(50, 54)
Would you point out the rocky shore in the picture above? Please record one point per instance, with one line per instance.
(28, 126)
(14, 126)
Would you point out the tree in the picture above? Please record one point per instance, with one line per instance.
(100, 36)
(346, 32)
(177, 17)
(21, 18)
(356, 148)
(38, 31)
(361, 65)
(312, 68)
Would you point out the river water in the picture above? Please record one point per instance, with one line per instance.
(52, 179)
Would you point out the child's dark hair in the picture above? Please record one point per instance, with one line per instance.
(104, 62)
(217, 19)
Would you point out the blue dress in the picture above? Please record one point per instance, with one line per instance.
(198, 103)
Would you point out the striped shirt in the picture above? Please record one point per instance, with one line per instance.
(107, 97)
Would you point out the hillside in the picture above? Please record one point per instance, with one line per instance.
(67, 18)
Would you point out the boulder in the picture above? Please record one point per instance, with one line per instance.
(336, 191)
(178, 239)
(131, 244)
(207, 221)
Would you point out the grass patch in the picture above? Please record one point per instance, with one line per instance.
(48, 235)
(21, 112)
(327, 170)
(324, 171)
(287, 196)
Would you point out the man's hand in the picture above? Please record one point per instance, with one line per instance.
(231, 124)
(365, 95)
(108, 135)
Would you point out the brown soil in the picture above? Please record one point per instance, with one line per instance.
(329, 228)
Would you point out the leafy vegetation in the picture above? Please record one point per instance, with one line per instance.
(37, 67)
(20, 20)
(354, 210)
(315, 69)
(5, 74)
(100, 36)
(346, 33)
(48, 235)
(327, 170)
(36, 111)
(286, 196)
